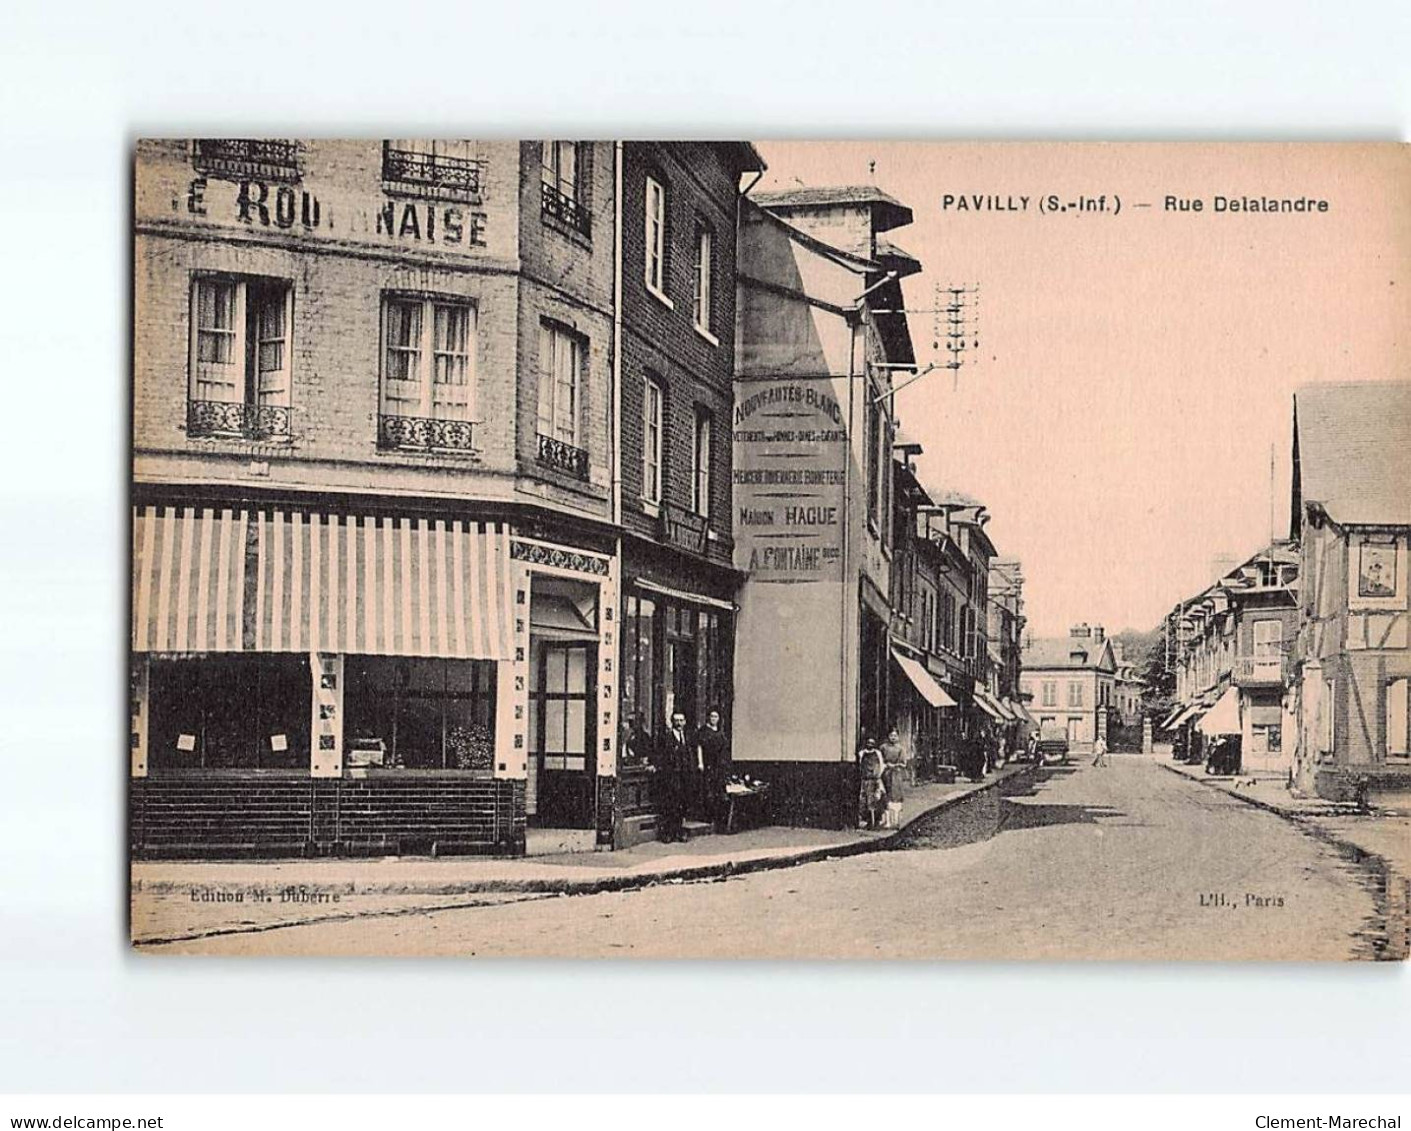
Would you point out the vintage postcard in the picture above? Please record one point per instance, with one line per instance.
(746, 549)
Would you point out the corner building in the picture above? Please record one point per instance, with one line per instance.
(375, 578)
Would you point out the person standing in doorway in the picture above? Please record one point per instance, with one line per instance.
(713, 750)
(677, 760)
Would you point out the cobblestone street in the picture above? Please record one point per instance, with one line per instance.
(1120, 862)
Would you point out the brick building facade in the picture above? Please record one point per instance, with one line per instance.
(679, 220)
(374, 563)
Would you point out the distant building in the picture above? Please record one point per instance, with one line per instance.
(1351, 515)
(1070, 681)
(1232, 671)
(1128, 688)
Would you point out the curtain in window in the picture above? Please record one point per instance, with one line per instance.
(450, 362)
(558, 385)
(219, 369)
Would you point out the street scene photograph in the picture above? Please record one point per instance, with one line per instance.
(722, 549)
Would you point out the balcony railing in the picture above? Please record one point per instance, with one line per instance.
(564, 208)
(563, 457)
(1260, 671)
(437, 173)
(258, 159)
(419, 433)
(216, 419)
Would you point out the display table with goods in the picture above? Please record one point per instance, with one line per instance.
(747, 803)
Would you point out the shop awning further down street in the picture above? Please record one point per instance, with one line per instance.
(1224, 717)
(1170, 719)
(989, 706)
(1187, 715)
(920, 678)
(1019, 711)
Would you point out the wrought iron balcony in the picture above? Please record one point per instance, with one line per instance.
(260, 159)
(439, 173)
(564, 208)
(1261, 671)
(216, 419)
(419, 433)
(563, 457)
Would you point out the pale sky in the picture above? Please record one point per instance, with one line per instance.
(1135, 369)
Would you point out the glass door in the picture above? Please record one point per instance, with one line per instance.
(565, 735)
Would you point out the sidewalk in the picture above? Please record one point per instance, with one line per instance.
(174, 899)
(1385, 834)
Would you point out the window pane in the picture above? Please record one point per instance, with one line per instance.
(419, 733)
(556, 671)
(566, 396)
(403, 341)
(576, 727)
(554, 715)
(215, 322)
(577, 671)
(546, 381)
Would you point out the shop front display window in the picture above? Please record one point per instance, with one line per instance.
(236, 712)
(422, 713)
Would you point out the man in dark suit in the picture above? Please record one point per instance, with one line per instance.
(675, 763)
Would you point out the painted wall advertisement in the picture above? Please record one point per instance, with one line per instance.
(791, 452)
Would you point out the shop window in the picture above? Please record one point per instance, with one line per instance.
(232, 712)
(422, 713)
(638, 684)
(239, 358)
(652, 408)
(560, 379)
(562, 185)
(427, 373)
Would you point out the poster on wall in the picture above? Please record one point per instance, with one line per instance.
(791, 451)
(1376, 569)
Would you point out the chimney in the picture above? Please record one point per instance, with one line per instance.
(1099, 633)
(1080, 631)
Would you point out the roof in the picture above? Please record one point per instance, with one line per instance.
(951, 498)
(887, 211)
(1351, 454)
(1057, 652)
(896, 259)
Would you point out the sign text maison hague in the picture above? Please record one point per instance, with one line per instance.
(284, 207)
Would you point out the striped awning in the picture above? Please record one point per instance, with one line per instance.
(239, 579)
